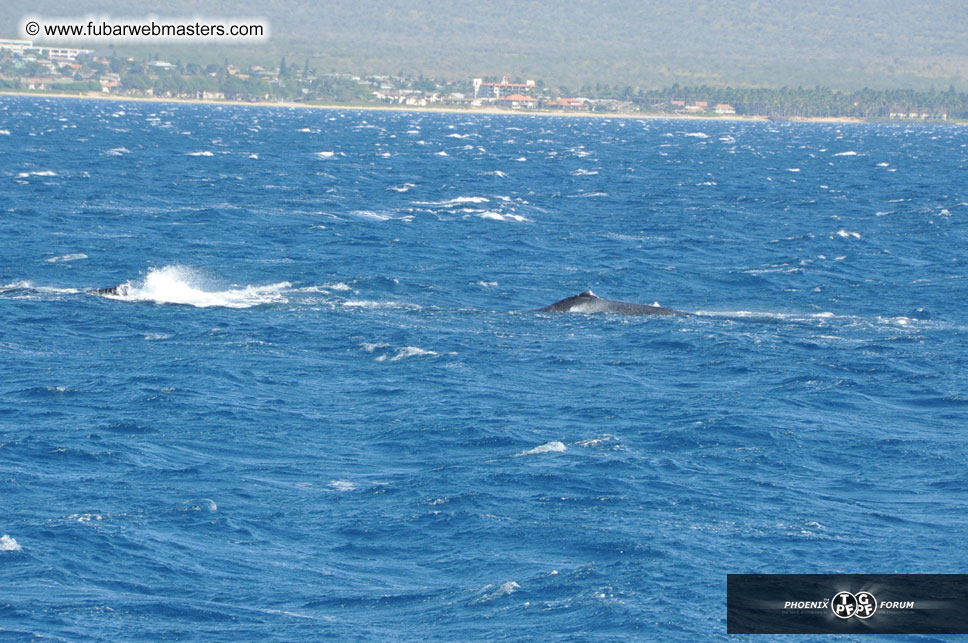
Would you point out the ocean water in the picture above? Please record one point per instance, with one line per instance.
(322, 406)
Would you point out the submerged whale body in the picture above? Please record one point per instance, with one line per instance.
(114, 291)
(589, 302)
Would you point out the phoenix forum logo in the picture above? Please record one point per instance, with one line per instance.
(846, 605)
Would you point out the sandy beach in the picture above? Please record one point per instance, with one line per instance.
(435, 110)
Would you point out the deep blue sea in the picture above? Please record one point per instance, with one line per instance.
(323, 407)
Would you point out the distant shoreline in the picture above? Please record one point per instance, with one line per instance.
(492, 111)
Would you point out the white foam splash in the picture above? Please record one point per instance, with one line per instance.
(179, 285)
(202, 153)
(548, 447)
(847, 153)
(326, 155)
(117, 151)
(9, 544)
(697, 134)
(23, 175)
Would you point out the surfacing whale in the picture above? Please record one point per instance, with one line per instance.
(114, 291)
(589, 302)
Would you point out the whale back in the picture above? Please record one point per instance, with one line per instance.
(589, 303)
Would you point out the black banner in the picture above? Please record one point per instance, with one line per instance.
(847, 603)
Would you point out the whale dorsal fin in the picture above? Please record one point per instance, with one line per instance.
(588, 293)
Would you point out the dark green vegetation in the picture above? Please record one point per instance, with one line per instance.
(642, 43)
(292, 82)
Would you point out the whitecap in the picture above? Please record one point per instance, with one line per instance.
(456, 201)
(407, 352)
(402, 188)
(548, 447)
(75, 256)
(4, 132)
(847, 153)
(323, 288)
(9, 544)
(697, 134)
(442, 154)
(505, 589)
(846, 235)
(497, 216)
(202, 504)
(117, 151)
(369, 214)
(201, 153)
(584, 172)
(354, 303)
(86, 518)
(342, 485)
(326, 155)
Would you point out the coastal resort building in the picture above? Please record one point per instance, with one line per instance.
(26, 47)
(573, 104)
(503, 89)
(517, 101)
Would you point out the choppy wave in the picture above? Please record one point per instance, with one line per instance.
(183, 285)
(28, 290)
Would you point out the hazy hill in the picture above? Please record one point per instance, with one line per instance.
(840, 43)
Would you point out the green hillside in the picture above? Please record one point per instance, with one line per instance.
(643, 43)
